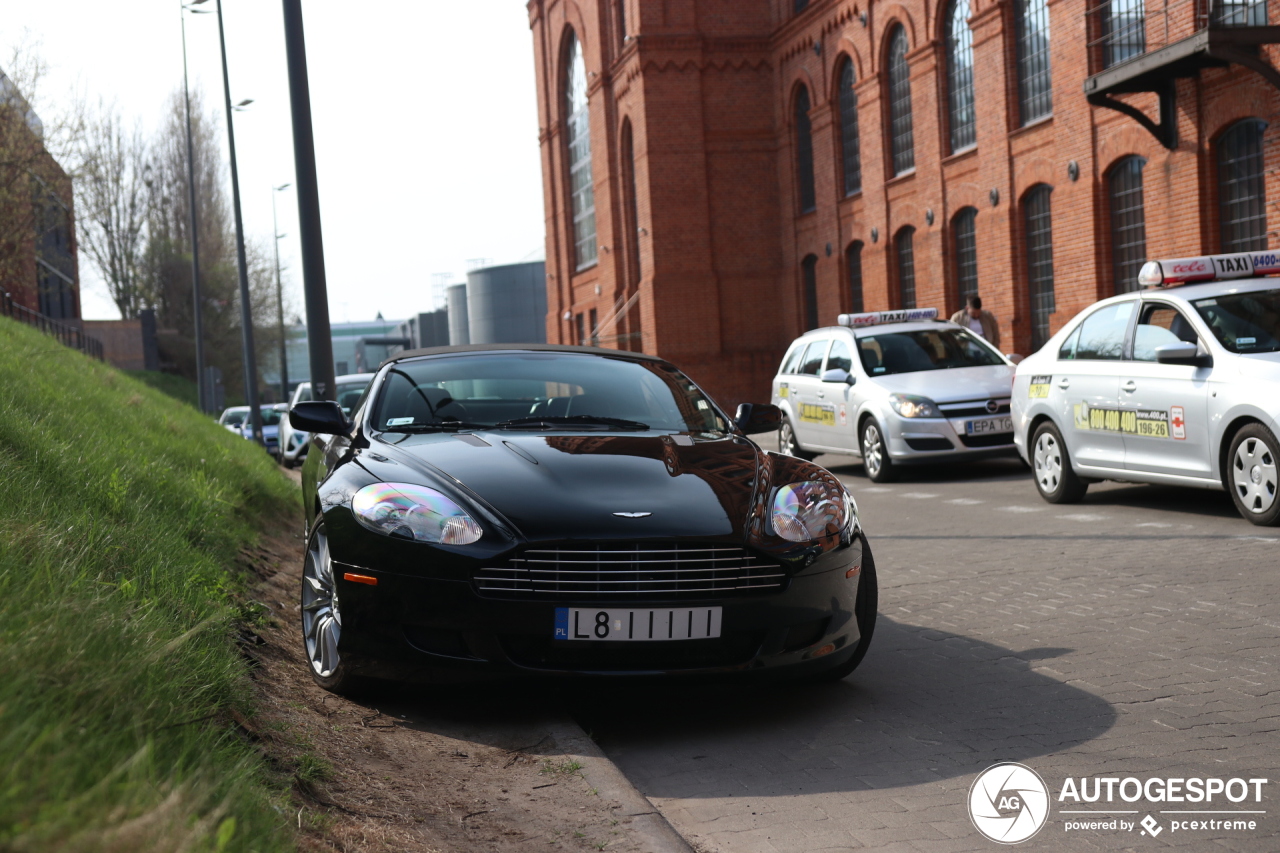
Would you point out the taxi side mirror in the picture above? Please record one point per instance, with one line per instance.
(753, 418)
(1183, 352)
(837, 374)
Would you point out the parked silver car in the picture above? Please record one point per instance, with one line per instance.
(293, 443)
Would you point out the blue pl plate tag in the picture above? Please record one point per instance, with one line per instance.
(562, 624)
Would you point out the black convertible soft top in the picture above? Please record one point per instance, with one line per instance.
(610, 353)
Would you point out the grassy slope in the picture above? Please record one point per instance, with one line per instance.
(175, 386)
(120, 517)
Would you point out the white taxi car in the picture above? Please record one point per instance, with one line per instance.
(1178, 384)
(895, 388)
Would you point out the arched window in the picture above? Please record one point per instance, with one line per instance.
(905, 254)
(1038, 230)
(620, 10)
(964, 229)
(809, 281)
(577, 126)
(960, 76)
(1128, 223)
(1124, 30)
(848, 103)
(901, 139)
(853, 262)
(1242, 189)
(631, 232)
(1034, 84)
(804, 152)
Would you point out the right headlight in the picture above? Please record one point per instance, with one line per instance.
(414, 512)
(912, 406)
(803, 512)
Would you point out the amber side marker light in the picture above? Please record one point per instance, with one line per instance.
(853, 573)
(354, 578)
(825, 650)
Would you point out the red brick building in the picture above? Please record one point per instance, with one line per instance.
(720, 175)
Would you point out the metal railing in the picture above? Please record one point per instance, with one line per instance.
(1122, 29)
(67, 334)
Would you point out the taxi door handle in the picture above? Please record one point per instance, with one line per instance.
(1130, 386)
(1064, 383)
(822, 394)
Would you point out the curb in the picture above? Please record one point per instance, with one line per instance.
(647, 824)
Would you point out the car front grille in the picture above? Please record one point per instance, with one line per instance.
(631, 571)
(974, 408)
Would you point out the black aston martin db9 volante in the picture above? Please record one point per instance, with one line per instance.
(569, 511)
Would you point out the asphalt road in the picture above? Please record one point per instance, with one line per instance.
(1135, 634)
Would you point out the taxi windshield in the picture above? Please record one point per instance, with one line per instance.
(1244, 322)
(927, 349)
(541, 390)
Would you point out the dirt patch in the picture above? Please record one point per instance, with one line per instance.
(421, 769)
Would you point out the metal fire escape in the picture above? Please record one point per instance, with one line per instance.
(1142, 48)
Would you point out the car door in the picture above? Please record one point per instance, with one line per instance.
(836, 430)
(805, 389)
(1166, 406)
(1085, 390)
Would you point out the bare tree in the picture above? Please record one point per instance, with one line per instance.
(113, 200)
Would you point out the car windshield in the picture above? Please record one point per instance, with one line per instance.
(349, 394)
(1244, 322)
(270, 417)
(547, 390)
(927, 349)
(233, 418)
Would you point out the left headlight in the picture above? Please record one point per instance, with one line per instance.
(912, 406)
(414, 512)
(803, 512)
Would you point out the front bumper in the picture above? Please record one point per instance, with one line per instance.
(922, 440)
(408, 627)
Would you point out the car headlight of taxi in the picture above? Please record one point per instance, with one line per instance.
(911, 406)
(803, 512)
(413, 512)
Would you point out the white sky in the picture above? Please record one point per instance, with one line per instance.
(425, 123)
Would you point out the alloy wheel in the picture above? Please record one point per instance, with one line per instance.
(1253, 473)
(321, 618)
(872, 449)
(1048, 463)
(787, 440)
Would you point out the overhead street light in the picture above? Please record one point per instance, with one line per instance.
(284, 363)
(203, 392)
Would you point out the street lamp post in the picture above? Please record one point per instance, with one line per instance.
(246, 308)
(284, 364)
(202, 391)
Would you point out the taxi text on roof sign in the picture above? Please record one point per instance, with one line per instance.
(878, 318)
(1208, 268)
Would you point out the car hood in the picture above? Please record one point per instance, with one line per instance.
(946, 386)
(1262, 366)
(571, 486)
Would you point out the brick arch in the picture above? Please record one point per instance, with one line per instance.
(1246, 102)
(1121, 142)
(960, 196)
(1216, 137)
(903, 214)
(835, 73)
(1037, 170)
(1111, 164)
(799, 78)
(561, 64)
(895, 14)
(847, 49)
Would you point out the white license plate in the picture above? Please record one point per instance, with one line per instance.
(593, 623)
(986, 425)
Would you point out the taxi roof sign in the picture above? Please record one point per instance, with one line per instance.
(1176, 271)
(879, 318)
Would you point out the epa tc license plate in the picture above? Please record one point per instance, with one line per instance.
(983, 426)
(589, 623)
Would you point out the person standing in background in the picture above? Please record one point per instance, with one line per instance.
(979, 322)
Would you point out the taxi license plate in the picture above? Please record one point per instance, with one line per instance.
(618, 624)
(988, 425)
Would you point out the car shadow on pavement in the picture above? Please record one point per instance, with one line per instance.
(1181, 499)
(925, 705)
(1001, 468)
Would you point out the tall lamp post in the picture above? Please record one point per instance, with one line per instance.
(202, 391)
(284, 364)
(246, 308)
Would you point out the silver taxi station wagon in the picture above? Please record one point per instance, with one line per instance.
(1178, 384)
(895, 388)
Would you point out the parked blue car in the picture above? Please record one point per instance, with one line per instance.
(270, 428)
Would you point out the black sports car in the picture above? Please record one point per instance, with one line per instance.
(569, 510)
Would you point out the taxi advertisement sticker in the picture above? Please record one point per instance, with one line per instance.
(844, 416)
(1178, 420)
(783, 390)
(1039, 387)
(1146, 423)
(813, 414)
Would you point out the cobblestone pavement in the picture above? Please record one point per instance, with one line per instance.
(1134, 634)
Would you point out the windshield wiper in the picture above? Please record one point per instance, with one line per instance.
(435, 427)
(553, 421)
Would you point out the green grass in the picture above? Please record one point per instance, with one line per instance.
(120, 520)
(177, 387)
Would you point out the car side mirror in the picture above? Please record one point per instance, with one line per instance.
(838, 374)
(281, 407)
(753, 418)
(1183, 352)
(321, 416)
(1014, 357)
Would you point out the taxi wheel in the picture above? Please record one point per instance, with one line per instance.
(875, 453)
(1252, 476)
(865, 612)
(1055, 479)
(788, 445)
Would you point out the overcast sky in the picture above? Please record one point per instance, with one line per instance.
(425, 123)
